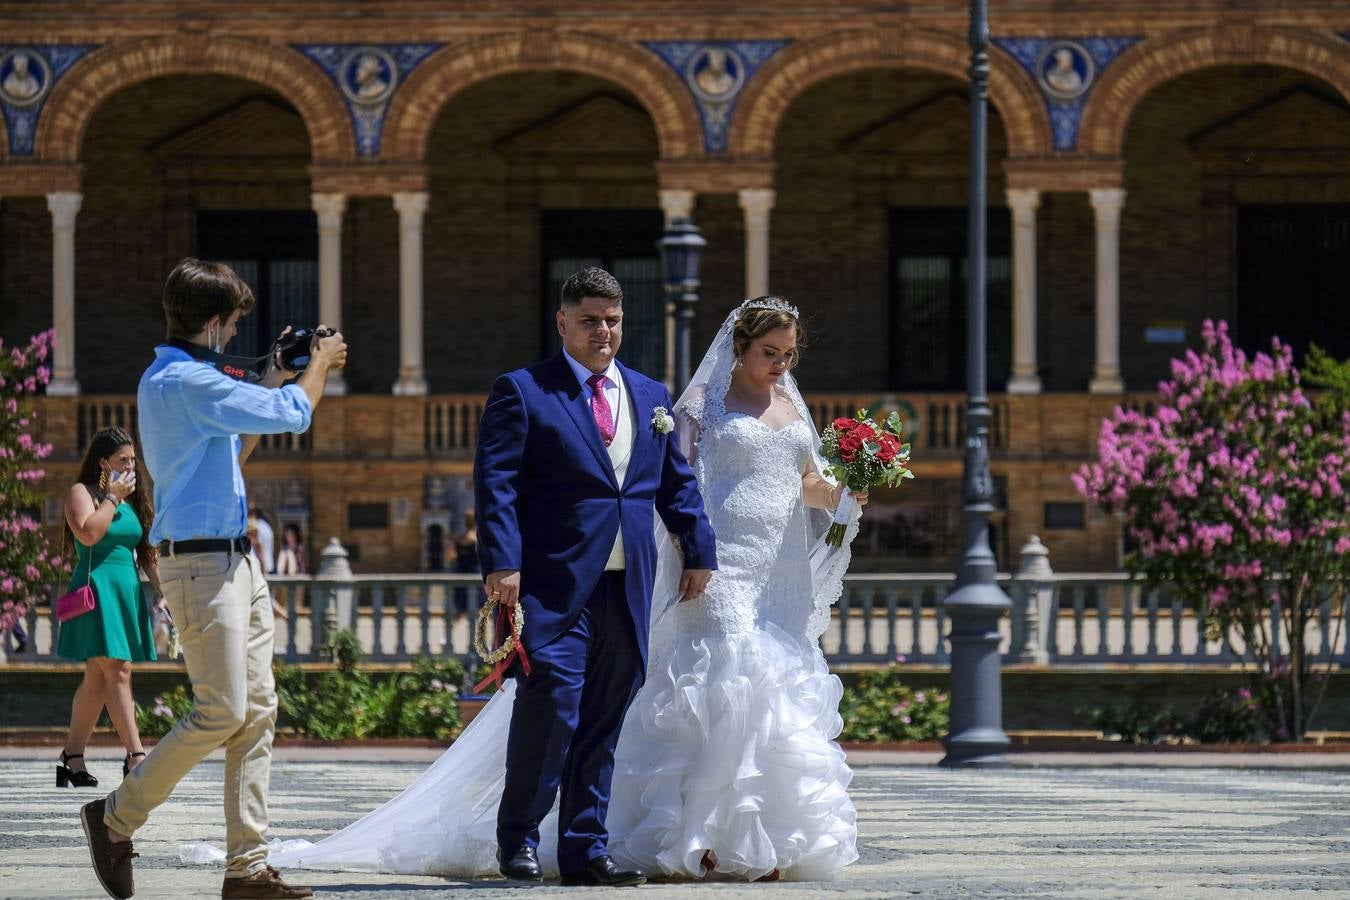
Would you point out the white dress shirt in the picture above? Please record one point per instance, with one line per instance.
(613, 385)
(621, 448)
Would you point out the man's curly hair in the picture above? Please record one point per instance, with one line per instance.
(591, 281)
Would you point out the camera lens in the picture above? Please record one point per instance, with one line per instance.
(294, 349)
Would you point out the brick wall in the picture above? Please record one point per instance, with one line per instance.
(849, 149)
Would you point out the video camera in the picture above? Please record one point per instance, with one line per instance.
(293, 348)
(292, 351)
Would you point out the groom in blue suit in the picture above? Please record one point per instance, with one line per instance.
(573, 464)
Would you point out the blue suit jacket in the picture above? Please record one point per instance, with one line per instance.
(548, 503)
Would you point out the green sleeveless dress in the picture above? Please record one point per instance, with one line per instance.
(119, 626)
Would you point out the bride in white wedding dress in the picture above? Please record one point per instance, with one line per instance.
(727, 762)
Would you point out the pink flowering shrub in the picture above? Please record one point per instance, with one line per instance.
(1234, 490)
(28, 566)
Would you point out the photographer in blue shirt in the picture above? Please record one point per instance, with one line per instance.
(199, 422)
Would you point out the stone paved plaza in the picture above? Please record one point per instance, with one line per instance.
(1052, 826)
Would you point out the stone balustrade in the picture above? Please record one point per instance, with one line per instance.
(1060, 620)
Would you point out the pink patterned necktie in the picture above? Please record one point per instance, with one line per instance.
(604, 418)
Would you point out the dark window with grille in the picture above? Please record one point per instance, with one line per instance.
(276, 252)
(918, 527)
(1294, 278)
(1064, 515)
(367, 515)
(928, 298)
(623, 242)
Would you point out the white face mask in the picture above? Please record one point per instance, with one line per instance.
(215, 344)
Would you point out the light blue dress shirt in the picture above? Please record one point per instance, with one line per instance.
(191, 417)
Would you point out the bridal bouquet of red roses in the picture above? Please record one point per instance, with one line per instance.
(862, 454)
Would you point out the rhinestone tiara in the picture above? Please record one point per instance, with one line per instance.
(774, 303)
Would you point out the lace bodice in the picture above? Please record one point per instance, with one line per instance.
(751, 479)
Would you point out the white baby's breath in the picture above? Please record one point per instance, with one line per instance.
(662, 423)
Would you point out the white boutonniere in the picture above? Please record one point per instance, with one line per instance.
(662, 423)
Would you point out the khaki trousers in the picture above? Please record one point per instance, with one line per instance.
(222, 608)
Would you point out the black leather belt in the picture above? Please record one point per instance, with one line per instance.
(240, 545)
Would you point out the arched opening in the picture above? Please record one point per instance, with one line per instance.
(871, 223)
(532, 175)
(1238, 207)
(174, 166)
(870, 239)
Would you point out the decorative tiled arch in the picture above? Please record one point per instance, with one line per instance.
(367, 115)
(1146, 65)
(20, 119)
(115, 66)
(413, 111)
(1066, 112)
(767, 97)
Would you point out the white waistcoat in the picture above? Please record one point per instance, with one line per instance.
(620, 451)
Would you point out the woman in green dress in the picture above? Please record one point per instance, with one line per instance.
(108, 522)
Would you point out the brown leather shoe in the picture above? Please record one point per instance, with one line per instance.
(112, 862)
(265, 884)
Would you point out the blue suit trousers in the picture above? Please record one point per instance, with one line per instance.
(565, 726)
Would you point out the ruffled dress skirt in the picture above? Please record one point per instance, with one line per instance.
(731, 749)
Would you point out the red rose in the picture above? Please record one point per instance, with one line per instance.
(842, 424)
(865, 431)
(849, 444)
(890, 446)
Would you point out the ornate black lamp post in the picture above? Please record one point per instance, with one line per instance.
(977, 603)
(681, 252)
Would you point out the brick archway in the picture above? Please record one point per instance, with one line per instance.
(772, 90)
(119, 65)
(1147, 65)
(407, 132)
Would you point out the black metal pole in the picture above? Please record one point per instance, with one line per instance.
(681, 252)
(977, 603)
(685, 296)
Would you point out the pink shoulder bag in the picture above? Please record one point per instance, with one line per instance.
(79, 601)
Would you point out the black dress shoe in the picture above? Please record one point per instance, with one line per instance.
(523, 866)
(603, 871)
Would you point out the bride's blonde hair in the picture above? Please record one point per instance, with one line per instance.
(753, 324)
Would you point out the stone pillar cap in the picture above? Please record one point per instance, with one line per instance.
(333, 563)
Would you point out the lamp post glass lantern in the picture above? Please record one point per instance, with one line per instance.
(977, 604)
(681, 254)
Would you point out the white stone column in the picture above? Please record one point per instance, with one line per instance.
(1023, 202)
(1107, 203)
(411, 206)
(675, 204)
(756, 203)
(329, 208)
(64, 207)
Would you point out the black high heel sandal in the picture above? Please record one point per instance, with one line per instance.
(126, 763)
(68, 777)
